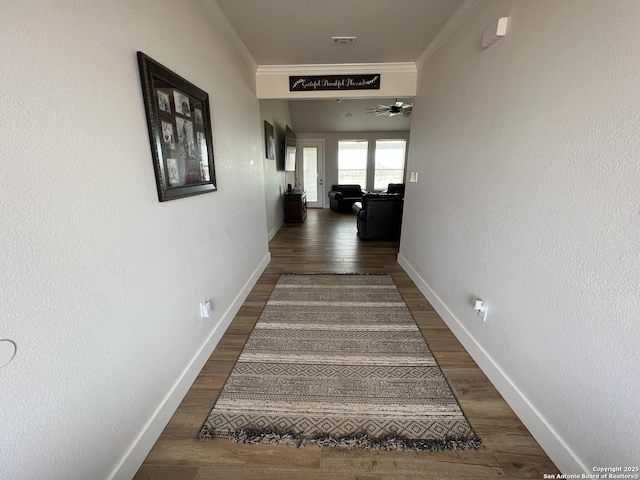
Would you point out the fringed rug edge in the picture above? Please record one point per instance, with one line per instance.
(363, 441)
(335, 274)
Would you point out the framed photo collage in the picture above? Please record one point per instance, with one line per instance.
(178, 117)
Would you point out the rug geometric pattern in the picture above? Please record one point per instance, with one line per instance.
(338, 360)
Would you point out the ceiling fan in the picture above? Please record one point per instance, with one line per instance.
(398, 108)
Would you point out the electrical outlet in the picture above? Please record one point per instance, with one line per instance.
(205, 309)
(481, 309)
(414, 177)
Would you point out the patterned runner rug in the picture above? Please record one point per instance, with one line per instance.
(338, 360)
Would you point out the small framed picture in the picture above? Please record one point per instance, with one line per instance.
(197, 116)
(270, 141)
(164, 103)
(178, 118)
(168, 135)
(186, 144)
(182, 103)
(174, 172)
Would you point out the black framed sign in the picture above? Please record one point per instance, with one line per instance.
(178, 118)
(306, 83)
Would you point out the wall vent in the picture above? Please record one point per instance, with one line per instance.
(343, 40)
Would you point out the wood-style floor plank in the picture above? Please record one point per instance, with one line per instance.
(327, 242)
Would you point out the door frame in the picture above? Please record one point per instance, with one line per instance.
(319, 143)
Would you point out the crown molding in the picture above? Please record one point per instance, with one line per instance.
(215, 10)
(447, 29)
(337, 68)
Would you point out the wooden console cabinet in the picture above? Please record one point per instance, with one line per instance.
(295, 207)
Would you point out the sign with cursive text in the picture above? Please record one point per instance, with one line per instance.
(334, 82)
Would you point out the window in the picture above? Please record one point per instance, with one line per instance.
(389, 166)
(352, 162)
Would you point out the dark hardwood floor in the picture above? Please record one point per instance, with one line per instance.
(327, 242)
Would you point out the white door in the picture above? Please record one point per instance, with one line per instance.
(312, 152)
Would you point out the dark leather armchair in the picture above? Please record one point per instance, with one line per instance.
(395, 188)
(379, 216)
(342, 197)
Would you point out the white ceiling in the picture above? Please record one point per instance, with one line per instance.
(296, 32)
(319, 116)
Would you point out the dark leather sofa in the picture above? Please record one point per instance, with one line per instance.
(379, 216)
(342, 197)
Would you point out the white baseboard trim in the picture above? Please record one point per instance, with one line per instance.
(142, 445)
(275, 230)
(553, 445)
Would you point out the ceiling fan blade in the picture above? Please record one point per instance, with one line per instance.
(397, 108)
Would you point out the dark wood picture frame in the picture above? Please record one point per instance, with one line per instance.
(179, 122)
(269, 141)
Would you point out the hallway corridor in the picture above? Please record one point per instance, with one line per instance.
(327, 242)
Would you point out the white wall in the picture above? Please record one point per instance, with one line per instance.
(331, 152)
(276, 112)
(528, 198)
(101, 282)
